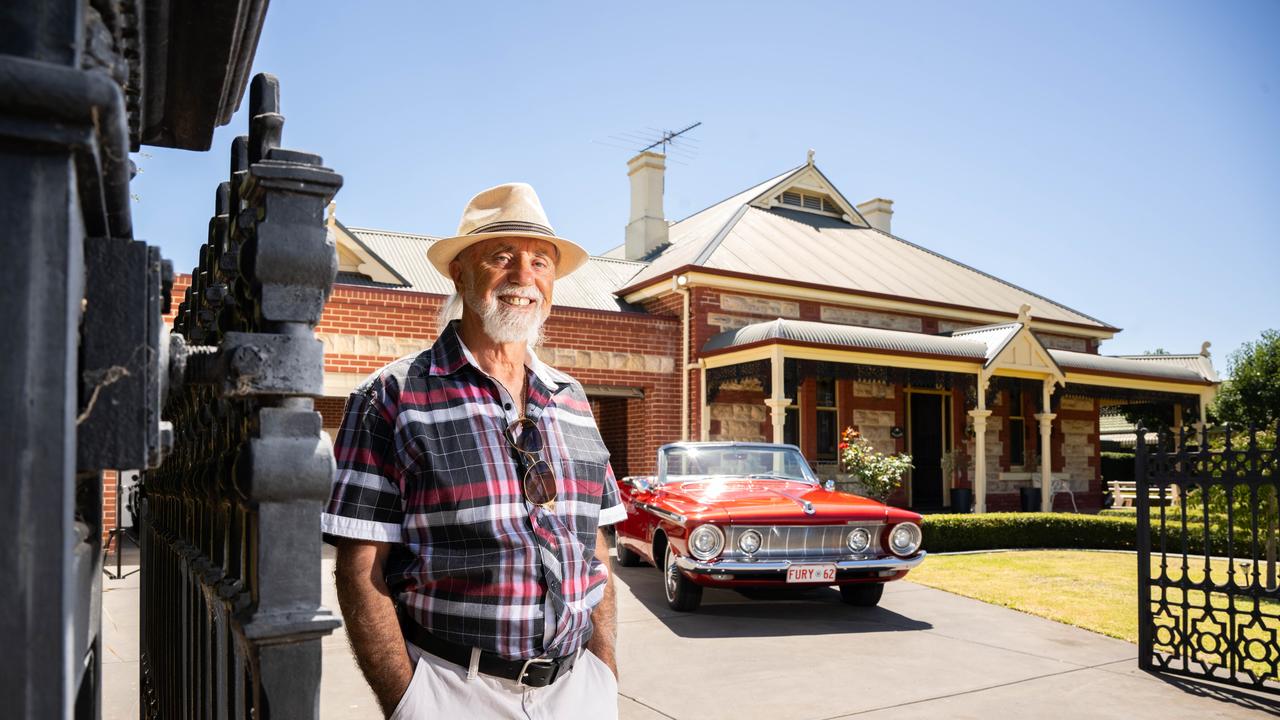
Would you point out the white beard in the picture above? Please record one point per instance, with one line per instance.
(505, 324)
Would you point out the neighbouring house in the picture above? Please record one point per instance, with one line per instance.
(786, 312)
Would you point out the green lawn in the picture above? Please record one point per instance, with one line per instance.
(1098, 591)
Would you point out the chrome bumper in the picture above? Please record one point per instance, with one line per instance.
(768, 567)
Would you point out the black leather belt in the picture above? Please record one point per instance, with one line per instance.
(535, 672)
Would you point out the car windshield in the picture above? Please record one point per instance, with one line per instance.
(710, 462)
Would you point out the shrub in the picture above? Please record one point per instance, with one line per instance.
(876, 474)
(993, 531)
(1113, 531)
(1117, 466)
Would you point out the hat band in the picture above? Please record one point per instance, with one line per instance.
(515, 226)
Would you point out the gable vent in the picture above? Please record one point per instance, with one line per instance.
(821, 203)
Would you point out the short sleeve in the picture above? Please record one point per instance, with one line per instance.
(365, 501)
(611, 509)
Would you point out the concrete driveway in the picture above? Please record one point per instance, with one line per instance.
(922, 654)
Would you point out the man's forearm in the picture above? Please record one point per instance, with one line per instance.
(372, 627)
(604, 618)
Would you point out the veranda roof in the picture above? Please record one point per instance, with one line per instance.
(976, 344)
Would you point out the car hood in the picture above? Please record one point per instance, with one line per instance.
(754, 500)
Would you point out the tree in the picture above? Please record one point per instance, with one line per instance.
(1155, 417)
(1251, 394)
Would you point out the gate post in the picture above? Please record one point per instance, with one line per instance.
(231, 563)
(1143, 501)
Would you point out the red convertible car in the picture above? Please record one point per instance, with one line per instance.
(751, 515)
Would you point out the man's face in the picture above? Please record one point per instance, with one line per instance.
(507, 283)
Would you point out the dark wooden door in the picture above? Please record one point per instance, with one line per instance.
(926, 450)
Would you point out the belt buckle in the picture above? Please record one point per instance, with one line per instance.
(524, 670)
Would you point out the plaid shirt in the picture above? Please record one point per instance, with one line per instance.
(423, 464)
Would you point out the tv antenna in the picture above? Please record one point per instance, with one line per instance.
(674, 143)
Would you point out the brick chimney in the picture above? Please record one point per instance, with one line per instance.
(878, 212)
(647, 228)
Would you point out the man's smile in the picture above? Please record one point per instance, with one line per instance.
(515, 300)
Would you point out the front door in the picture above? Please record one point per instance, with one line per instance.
(926, 449)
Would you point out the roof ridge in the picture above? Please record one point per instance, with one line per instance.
(420, 236)
(989, 275)
(1154, 356)
(709, 249)
(772, 181)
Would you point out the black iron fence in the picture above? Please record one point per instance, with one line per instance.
(1209, 605)
(230, 607)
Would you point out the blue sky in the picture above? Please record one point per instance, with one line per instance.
(1119, 157)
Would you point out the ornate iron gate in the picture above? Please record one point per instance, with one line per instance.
(231, 615)
(1208, 602)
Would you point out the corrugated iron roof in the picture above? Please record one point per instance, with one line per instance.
(805, 247)
(1196, 363)
(976, 344)
(1071, 360)
(850, 336)
(591, 286)
(995, 337)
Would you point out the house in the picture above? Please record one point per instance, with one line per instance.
(786, 312)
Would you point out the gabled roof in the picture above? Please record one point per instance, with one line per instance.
(590, 287)
(738, 235)
(1013, 346)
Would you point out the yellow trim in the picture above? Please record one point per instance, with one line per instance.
(1136, 384)
(763, 352)
(763, 287)
(1020, 373)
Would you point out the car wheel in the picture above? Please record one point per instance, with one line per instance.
(862, 594)
(682, 593)
(626, 556)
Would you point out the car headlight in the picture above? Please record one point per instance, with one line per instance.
(859, 540)
(706, 542)
(905, 538)
(749, 543)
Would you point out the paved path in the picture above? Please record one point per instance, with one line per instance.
(922, 654)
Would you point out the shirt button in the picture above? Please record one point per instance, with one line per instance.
(507, 406)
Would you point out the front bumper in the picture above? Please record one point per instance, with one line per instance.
(768, 568)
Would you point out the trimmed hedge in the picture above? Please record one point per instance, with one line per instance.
(997, 531)
(1117, 466)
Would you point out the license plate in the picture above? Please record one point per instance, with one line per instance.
(811, 574)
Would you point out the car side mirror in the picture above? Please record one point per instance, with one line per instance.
(639, 484)
(829, 485)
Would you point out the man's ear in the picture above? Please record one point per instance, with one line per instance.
(455, 273)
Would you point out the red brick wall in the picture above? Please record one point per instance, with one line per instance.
(408, 315)
(108, 503)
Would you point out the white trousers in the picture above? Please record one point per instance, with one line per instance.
(440, 689)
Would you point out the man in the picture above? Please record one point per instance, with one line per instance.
(471, 488)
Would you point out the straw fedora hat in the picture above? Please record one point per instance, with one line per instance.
(511, 210)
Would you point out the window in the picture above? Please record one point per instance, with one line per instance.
(1017, 430)
(791, 426)
(827, 422)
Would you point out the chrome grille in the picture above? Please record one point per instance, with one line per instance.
(801, 541)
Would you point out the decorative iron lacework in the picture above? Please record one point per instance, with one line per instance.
(1130, 396)
(754, 370)
(795, 371)
(1209, 605)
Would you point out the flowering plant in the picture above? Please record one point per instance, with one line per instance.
(877, 473)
